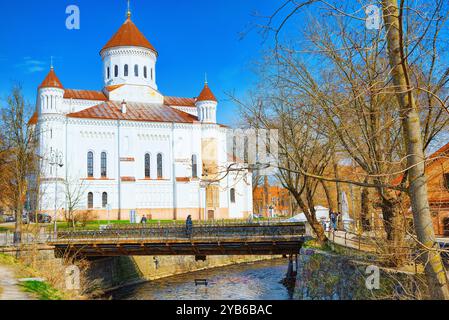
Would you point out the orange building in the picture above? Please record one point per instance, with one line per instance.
(270, 201)
(437, 171)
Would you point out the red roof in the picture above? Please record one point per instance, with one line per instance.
(206, 94)
(33, 120)
(179, 102)
(85, 95)
(111, 110)
(129, 35)
(51, 81)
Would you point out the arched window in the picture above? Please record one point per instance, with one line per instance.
(90, 164)
(160, 172)
(126, 70)
(194, 167)
(116, 71)
(109, 73)
(145, 73)
(147, 166)
(104, 165)
(136, 70)
(104, 200)
(90, 200)
(233, 195)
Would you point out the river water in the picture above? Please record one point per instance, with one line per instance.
(254, 281)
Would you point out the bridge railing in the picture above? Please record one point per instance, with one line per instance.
(199, 231)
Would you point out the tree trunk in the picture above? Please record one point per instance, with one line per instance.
(435, 271)
(395, 227)
(316, 226)
(365, 213)
(330, 202)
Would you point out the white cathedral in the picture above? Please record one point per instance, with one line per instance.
(130, 149)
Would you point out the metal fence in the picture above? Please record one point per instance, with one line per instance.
(198, 231)
(7, 239)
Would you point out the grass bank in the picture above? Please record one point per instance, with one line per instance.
(40, 289)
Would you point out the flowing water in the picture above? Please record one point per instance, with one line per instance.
(255, 281)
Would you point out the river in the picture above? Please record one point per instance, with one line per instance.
(254, 281)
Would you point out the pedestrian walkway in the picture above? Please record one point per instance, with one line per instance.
(9, 286)
(350, 240)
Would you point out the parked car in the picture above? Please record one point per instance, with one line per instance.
(9, 219)
(41, 218)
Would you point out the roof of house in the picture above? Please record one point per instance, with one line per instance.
(33, 120)
(111, 110)
(129, 35)
(51, 81)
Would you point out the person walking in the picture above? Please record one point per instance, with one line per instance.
(333, 218)
(144, 220)
(189, 226)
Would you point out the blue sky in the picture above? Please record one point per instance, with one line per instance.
(191, 36)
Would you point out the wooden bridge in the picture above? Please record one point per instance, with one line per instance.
(203, 240)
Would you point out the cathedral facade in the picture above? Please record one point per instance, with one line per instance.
(129, 149)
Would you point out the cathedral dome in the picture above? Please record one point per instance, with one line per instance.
(51, 81)
(129, 36)
(206, 94)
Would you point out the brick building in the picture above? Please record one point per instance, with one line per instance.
(437, 171)
(271, 200)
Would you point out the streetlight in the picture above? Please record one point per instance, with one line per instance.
(56, 161)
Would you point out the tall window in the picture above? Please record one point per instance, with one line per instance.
(116, 71)
(233, 195)
(104, 165)
(90, 164)
(147, 166)
(126, 70)
(152, 74)
(104, 200)
(90, 200)
(109, 73)
(145, 73)
(160, 172)
(136, 70)
(194, 167)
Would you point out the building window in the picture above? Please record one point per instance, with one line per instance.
(233, 195)
(136, 70)
(116, 71)
(152, 74)
(160, 173)
(145, 73)
(126, 70)
(446, 180)
(90, 200)
(147, 166)
(90, 164)
(194, 167)
(109, 73)
(104, 165)
(104, 200)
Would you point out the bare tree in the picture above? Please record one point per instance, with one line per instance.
(375, 88)
(21, 161)
(74, 191)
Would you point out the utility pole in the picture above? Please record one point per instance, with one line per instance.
(57, 162)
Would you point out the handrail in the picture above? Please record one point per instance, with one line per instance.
(201, 231)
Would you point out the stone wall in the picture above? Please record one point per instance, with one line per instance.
(111, 273)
